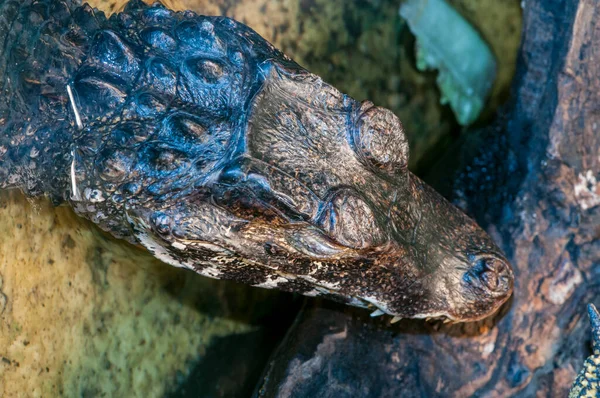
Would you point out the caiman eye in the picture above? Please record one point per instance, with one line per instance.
(350, 222)
(379, 139)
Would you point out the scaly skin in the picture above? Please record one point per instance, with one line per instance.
(587, 383)
(195, 138)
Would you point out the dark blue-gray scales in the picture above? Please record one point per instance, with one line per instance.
(194, 137)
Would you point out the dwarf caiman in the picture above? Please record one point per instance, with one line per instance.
(197, 139)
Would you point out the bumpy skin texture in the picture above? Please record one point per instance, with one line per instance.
(587, 383)
(195, 138)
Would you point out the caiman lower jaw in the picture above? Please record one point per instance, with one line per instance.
(444, 318)
(427, 317)
(379, 309)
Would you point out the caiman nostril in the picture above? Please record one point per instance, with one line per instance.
(491, 273)
(497, 275)
(490, 279)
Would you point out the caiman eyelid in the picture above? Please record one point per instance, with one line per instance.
(348, 219)
(378, 139)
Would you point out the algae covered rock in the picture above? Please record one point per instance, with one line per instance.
(85, 315)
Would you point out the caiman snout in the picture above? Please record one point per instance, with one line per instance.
(486, 285)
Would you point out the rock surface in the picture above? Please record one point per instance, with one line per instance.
(532, 179)
(85, 315)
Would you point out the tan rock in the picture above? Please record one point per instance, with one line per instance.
(86, 314)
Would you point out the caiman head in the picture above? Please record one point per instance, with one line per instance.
(231, 160)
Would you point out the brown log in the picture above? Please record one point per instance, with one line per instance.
(532, 179)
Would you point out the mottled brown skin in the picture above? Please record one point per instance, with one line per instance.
(195, 138)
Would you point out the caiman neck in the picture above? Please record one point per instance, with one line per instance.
(46, 42)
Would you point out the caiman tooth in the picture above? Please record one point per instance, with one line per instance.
(447, 320)
(377, 312)
(395, 319)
